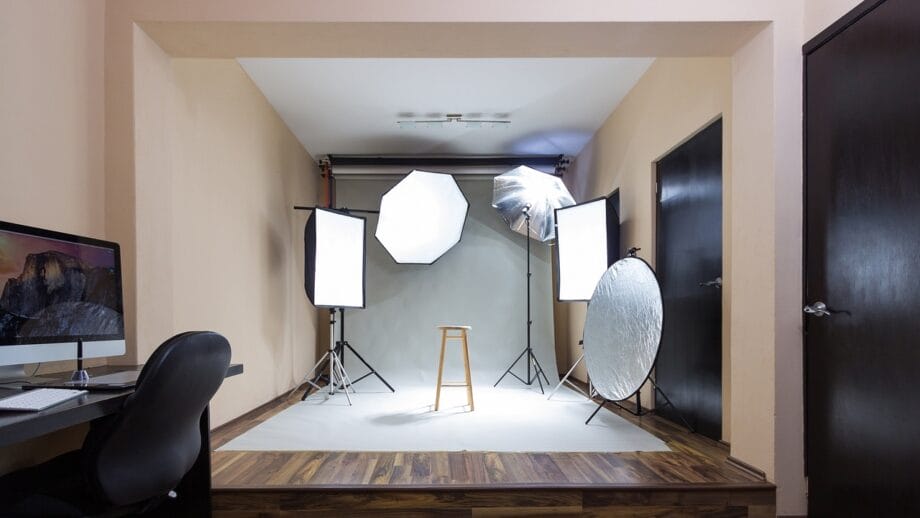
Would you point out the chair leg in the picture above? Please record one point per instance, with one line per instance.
(437, 397)
(466, 364)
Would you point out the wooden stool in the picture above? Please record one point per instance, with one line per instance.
(466, 363)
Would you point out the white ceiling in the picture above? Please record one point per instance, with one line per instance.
(350, 106)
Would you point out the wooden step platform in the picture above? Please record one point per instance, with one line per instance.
(696, 478)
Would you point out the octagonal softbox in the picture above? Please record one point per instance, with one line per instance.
(421, 217)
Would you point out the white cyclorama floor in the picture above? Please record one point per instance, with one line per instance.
(507, 419)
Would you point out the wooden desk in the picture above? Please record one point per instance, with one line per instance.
(195, 489)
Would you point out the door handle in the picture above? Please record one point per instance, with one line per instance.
(715, 283)
(820, 309)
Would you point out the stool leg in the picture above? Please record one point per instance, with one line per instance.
(437, 397)
(466, 364)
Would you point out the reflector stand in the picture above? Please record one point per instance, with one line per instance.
(622, 335)
(531, 359)
(639, 412)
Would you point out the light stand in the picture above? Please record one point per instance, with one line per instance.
(337, 376)
(528, 351)
(340, 349)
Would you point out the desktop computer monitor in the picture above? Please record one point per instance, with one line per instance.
(55, 290)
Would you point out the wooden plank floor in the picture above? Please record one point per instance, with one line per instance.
(694, 479)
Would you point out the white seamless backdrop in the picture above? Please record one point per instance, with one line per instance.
(480, 282)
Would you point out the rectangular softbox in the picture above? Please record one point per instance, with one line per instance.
(587, 243)
(334, 251)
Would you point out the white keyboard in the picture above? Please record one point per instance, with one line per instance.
(38, 399)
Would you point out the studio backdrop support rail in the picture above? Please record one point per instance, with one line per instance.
(557, 162)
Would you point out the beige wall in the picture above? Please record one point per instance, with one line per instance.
(51, 147)
(51, 106)
(753, 282)
(215, 241)
(821, 13)
(218, 244)
(156, 134)
(208, 210)
(673, 100)
(237, 253)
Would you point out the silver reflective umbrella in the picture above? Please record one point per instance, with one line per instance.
(526, 188)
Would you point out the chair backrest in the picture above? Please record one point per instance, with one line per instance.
(144, 450)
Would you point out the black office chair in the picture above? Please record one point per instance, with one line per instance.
(131, 460)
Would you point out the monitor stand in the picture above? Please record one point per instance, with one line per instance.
(12, 373)
(14, 376)
(80, 375)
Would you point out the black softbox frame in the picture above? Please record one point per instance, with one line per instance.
(310, 249)
(612, 238)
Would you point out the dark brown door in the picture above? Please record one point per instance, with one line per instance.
(689, 264)
(862, 260)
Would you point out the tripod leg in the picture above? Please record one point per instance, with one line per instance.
(672, 405)
(340, 373)
(537, 370)
(373, 370)
(566, 377)
(542, 372)
(317, 367)
(333, 374)
(346, 380)
(511, 367)
(596, 410)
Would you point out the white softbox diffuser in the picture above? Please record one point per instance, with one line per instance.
(583, 248)
(421, 217)
(334, 245)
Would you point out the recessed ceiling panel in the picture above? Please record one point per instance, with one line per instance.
(351, 106)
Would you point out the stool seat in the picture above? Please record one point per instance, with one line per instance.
(463, 338)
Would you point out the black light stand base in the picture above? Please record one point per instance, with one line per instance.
(336, 369)
(639, 412)
(530, 361)
(337, 379)
(340, 347)
(339, 352)
(343, 343)
(313, 383)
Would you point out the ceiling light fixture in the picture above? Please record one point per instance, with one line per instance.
(453, 120)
